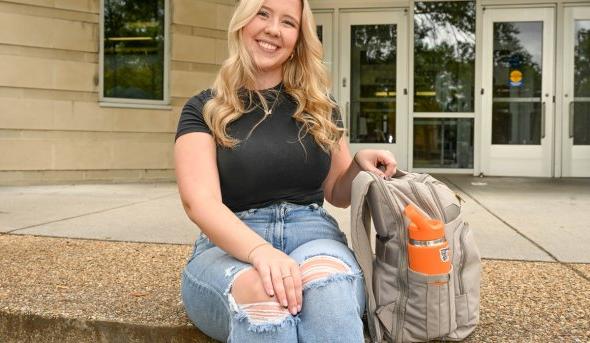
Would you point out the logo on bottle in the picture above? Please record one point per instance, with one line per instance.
(444, 254)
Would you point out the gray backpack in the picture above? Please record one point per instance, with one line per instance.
(404, 305)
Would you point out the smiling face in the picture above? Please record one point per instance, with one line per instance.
(271, 36)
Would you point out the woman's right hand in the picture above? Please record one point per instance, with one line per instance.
(280, 275)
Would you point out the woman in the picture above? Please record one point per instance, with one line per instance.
(255, 157)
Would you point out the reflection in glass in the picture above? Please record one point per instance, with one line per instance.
(516, 123)
(582, 83)
(582, 59)
(582, 123)
(518, 52)
(372, 81)
(443, 143)
(134, 49)
(517, 76)
(444, 56)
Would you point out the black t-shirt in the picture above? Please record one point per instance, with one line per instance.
(271, 165)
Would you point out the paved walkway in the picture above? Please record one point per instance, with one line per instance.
(512, 218)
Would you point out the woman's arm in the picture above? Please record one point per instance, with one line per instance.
(343, 169)
(198, 182)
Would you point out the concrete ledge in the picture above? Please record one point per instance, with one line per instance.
(70, 290)
(15, 327)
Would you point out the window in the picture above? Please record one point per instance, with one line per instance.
(444, 56)
(443, 143)
(582, 83)
(518, 66)
(134, 51)
(373, 98)
(444, 78)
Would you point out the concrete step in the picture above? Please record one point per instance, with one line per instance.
(24, 327)
(68, 290)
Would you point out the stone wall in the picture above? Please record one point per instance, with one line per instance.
(52, 127)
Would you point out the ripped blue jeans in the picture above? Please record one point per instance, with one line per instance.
(332, 304)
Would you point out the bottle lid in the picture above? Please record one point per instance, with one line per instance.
(422, 228)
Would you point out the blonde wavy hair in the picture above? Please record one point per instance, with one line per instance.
(305, 78)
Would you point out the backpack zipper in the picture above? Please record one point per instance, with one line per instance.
(423, 204)
(464, 229)
(463, 257)
(403, 263)
(437, 200)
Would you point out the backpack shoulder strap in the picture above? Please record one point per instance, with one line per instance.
(360, 224)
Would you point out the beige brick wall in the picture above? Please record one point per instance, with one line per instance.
(199, 44)
(52, 127)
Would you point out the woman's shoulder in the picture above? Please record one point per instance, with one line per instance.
(199, 100)
(191, 118)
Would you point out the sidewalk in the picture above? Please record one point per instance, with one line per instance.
(119, 282)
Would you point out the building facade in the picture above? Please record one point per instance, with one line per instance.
(91, 90)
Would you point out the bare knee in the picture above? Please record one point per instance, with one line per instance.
(251, 298)
(247, 288)
(322, 266)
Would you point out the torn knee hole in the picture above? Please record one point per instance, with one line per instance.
(251, 300)
(318, 267)
(265, 312)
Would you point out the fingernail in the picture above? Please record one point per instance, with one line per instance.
(271, 293)
(293, 311)
(298, 308)
(285, 304)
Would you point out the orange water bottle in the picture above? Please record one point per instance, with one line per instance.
(428, 249)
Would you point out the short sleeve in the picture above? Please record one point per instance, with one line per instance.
(336, 115)
(191, 117)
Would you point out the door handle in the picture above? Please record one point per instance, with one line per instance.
(543, 106)
(571, 119)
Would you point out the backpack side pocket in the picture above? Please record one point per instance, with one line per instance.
(468, 276)
(430, 309)
(385, 283)
(387, 320)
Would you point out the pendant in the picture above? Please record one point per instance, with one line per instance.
(269, 112)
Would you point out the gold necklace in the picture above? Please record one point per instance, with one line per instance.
(269, 111)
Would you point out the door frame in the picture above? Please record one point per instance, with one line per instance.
(398, 16)
(487, 149)
(568, 150)
(327, 20)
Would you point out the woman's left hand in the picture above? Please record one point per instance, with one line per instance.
(372, 160)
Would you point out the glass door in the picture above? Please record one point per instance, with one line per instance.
(576, 104)
(373, 81)
(518, 92)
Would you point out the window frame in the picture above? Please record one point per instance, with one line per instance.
(130, 102)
